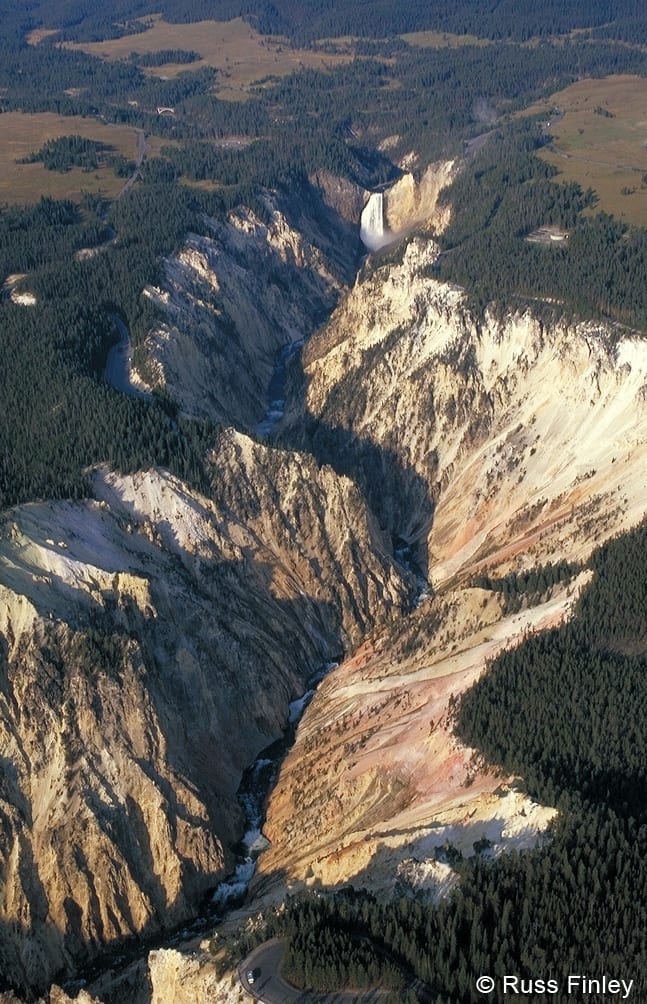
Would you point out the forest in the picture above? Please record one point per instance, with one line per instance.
(429, 98)
(505, 193)
(59, 417)
(66, 152)
(307, 20)
(180, 56)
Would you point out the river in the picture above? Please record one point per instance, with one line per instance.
(255, 787)
(276, 389)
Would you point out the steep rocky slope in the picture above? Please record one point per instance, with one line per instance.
(151, 642)
(245, 288)
(236, 294)
(377, 790)
(475, 438)
(410, 202)
(153, 638)
(54, 996)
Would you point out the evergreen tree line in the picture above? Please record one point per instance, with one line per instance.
(47, 77)
(585, 686)
(324, 954)
(519, 588)
(335, 119)
(308, 20)
(427, 97)
(163, 56)
(66, 152)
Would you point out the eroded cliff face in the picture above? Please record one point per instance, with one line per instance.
(151, 642)
(410, 202)
(151, 639)
(488, 437)
(377, 790)
(245, 288)
(233, 296)
(54, 996)
(185, 978)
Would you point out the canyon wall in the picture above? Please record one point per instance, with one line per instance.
(236, 294)
(489, 436)
(487, 443)
(152, 640)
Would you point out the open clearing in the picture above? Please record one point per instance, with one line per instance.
(36, 36)
(600, 141)
(242, 56)
(442, 40)
(23, 133)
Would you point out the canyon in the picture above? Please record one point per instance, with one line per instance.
(154, 636)
(499, 444)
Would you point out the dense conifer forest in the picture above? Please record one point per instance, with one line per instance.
(60, 417)
(67, 152)
(307, 20)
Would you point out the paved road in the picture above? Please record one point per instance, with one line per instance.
(270, 987)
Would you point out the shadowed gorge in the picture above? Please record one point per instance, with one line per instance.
(322, 500)
(139, 642)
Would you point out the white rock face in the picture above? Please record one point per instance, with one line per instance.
(185, 978)
(230, 301)
(54, 996)
(488, 444)
(409, 202)
(23, 299)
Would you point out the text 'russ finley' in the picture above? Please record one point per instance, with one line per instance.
(575, 985)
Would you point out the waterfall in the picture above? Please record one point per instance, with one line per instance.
(371, 226)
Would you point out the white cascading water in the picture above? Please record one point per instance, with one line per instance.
(371, 224)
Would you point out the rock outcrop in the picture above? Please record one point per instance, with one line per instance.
(487, 444)
(152, 638)
(54, 996)
(410, 202)
(376, 789)
(186, 977)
